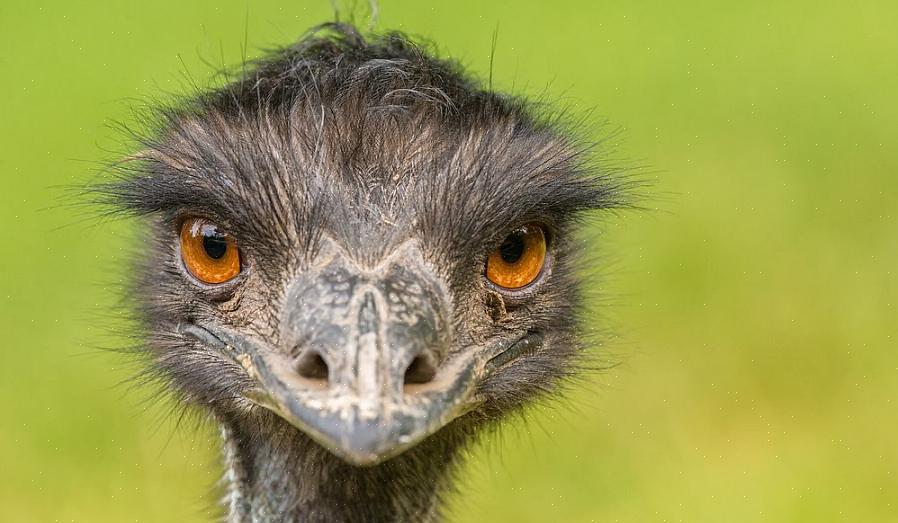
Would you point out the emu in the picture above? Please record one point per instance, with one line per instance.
(356, 258)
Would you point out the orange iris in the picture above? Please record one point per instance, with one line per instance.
(209, 254)
(519, 260)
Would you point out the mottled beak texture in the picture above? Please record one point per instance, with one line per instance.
(363, 364)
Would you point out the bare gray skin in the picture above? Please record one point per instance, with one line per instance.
(361, 345)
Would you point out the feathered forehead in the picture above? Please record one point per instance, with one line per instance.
(340, 133)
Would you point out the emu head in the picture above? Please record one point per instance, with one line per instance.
(359, 238)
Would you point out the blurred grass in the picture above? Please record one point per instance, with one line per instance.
(758, 304)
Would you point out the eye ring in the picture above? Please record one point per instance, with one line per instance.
(519, 260)
(209, 254)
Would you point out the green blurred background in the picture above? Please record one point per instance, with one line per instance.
(756, 305)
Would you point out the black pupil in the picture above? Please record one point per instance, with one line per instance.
(512, 248)
(214, 244)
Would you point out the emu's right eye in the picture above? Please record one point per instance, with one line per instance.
(209, 254)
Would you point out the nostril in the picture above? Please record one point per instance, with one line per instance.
(312, 365)
(420, 370)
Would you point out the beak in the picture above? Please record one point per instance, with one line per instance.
(364, 365)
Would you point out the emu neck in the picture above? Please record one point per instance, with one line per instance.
(275, 473)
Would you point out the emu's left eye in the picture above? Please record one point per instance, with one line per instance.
(518, 261)
(210, 255)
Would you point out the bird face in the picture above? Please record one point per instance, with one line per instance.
(365, 363)
(358, 239)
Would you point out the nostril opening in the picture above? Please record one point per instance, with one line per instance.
(311, 365)
(420, 370)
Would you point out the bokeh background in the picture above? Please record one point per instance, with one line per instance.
(756, 300)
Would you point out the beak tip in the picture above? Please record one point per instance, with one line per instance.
(368, 444)
(361, 459)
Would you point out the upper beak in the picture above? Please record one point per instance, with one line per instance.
(374, 374)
